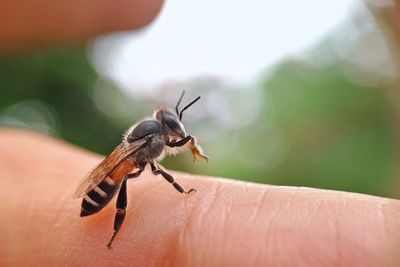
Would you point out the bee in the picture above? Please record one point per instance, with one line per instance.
(146, 142)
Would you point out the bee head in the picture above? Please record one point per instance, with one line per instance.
(172, 121)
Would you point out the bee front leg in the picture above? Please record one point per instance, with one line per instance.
(159, 170)
(181, 142)
(197, 151)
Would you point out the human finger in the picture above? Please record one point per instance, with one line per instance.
(35, 23)
(225, 223)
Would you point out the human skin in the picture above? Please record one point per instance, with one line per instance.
(30, 24)
(225, 223)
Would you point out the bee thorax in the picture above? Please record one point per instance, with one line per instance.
(152, 150)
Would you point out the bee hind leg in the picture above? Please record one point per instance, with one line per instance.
(121, 211)
(122, 202)
(159, 170)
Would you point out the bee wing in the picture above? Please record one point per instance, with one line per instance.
(107, 166)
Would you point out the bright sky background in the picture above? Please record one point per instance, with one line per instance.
(232, 39)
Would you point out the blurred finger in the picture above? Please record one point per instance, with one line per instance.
(43, 22)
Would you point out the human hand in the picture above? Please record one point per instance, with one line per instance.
(226, 223)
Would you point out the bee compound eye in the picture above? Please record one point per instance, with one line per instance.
(173, 124)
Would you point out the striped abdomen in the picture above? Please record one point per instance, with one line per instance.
(96, 199)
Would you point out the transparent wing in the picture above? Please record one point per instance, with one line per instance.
(107, 166)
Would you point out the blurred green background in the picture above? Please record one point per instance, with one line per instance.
(313, 119)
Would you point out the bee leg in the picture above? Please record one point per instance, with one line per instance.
(136, 174)
(122, 202)
(159, 170)
(197, 151)
(120, 215)
(181, 142)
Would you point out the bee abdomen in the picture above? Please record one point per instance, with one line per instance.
(99, 197)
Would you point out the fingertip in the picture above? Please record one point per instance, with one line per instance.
(130, 15)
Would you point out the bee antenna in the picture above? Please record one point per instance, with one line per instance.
(179, 102)
(188, 106)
